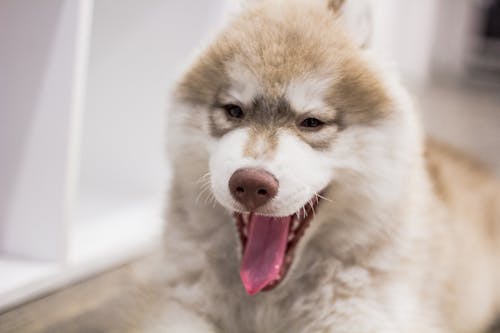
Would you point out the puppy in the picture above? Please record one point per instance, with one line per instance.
(305, 197)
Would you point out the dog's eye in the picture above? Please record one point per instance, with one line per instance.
(311, 123)
(234, 111)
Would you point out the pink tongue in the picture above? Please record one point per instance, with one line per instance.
(264, 251)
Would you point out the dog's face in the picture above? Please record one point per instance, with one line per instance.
(288, 107)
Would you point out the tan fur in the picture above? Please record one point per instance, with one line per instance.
(261, 143)
(408, 240)
(471, 195)
(280, 50)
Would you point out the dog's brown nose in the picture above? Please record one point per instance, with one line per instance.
(252, 187)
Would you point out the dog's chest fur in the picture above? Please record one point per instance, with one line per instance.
(322, 291)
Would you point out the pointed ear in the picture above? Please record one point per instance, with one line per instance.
(357, 18)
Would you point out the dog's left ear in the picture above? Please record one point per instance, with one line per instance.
(357, 18)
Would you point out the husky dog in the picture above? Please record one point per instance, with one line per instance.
(305, 197)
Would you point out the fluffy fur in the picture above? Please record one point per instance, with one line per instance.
(406, 238)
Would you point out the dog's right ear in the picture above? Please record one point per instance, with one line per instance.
(357, 18)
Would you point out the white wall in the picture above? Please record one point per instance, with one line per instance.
(455, 36)
(38, 82)
(48, 235)
(404, 34)
(427, 39)
(137, 50)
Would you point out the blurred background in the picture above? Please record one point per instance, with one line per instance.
(84, 89)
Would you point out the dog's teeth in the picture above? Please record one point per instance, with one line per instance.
(291, 237)
(295, 225)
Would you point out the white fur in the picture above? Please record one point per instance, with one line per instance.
(306, 95)
(301, 171)
(356, 16)
(244, 85)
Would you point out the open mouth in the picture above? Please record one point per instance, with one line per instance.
(268, 244)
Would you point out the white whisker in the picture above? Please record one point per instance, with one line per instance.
(203, 178)
(204, 192)
(312, 207)
(322, 197)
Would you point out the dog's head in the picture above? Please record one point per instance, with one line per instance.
(290, 108)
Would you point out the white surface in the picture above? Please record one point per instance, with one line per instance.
(17, 273)
(111, 225)
(107, 232)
